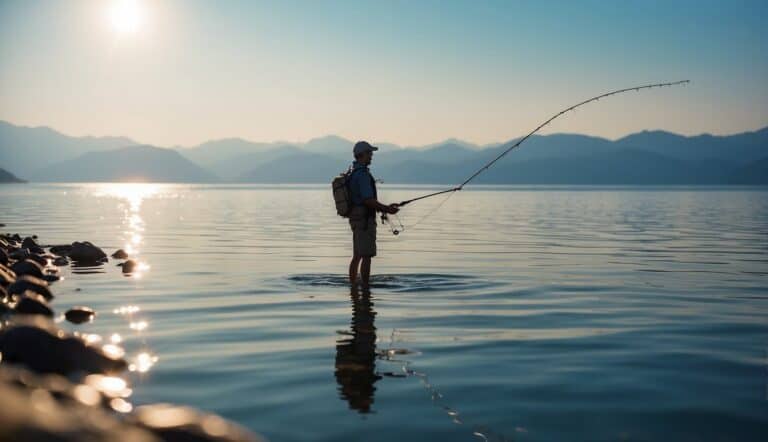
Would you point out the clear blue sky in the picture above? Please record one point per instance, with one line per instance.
(409, 72)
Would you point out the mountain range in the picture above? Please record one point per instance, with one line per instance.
(647, 157)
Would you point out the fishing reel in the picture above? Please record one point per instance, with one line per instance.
(393, 221)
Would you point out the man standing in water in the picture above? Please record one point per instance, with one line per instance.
(362, 217)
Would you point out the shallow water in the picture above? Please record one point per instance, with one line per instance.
(517, 313)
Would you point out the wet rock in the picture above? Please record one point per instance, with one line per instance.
(129, 266)
(53, 409)
(27, 282)
(51, 277)
(3, 257)
(7, 276)
(3, 295)
(78, 315)
(60, 261)
(43, 261)
(86, 252)
(33, 304)
(44, 348)
(185, 424)
(28, 243)
(19, 254)
(120, 254)
(61, 250)
(28, 267)
(4, 307)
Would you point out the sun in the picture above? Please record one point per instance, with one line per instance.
(126, 16)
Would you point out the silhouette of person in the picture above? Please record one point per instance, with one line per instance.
(356, 356)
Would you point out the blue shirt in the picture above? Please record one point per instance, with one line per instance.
(361, 185)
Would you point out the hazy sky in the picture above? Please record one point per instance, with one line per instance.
(409, 72)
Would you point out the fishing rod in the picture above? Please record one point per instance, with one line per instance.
(519, 142)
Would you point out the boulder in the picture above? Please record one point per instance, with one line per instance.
(19, 254)
(30, 283)
(61, 250)
(120, 254)
(60, 261)
(78, 315)
(43, 261)
(3, 257)
(86, 252)
(184, 424)
(43, 348)
(33, 304)
(28, 267)
(6, 276)
(28, 243)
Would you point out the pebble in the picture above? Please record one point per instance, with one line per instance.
(78, 315)
(120, 254)
(129, 266)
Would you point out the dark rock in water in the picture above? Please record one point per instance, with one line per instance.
(129, 266)
(86, 252)
(7, 276)
(28, 267)
(33, 304)
(3, 257)
(51, 277)
(78, 315)
(45, 349)
(27, 282)
(61, 250)
(28, 243)
(120, 254)
(37, 250)
(185, 424)
(60, 261)
(19, 254)
(43, 261)
(50, 408)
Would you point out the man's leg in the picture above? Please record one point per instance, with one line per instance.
(353, 269)
(365, 270)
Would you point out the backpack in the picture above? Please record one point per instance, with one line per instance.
(341, 193)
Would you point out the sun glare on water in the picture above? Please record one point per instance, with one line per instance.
(126, 16)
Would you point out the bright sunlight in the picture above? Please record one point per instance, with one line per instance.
(126, 16)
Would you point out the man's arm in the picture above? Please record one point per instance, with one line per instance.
(374, 204)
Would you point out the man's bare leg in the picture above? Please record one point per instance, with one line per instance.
(365, 271)
(353, 269)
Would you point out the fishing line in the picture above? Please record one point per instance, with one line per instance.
(452, 190)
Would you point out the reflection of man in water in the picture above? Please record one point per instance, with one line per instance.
(356, 356)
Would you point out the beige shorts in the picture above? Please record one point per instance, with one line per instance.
(363, 235)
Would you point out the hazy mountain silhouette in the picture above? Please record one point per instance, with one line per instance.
(25, 150)
(128, 164)
(8, 177)
(648, 157)
(755, 172)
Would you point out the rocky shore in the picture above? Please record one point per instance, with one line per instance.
(62, 386)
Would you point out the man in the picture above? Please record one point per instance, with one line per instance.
(362, 218)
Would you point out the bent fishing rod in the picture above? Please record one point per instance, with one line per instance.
(520, 141)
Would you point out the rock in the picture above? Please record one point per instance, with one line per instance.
(120, 254)
(3, 298)
(7, 276)
(19, 254)
(3, 257)
(128, 266)
(27, 282)
(33, 304)
(28, 243)
(28, 267)
(43, 261)
(61, 250)
(185, 424)
(50, 408)
(78, 315)
(60, 261)
(4, 307)
(46, 349)
(86, 252)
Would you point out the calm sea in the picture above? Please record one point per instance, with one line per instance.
(511, 313)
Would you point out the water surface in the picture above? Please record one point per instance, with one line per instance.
(512, 313)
